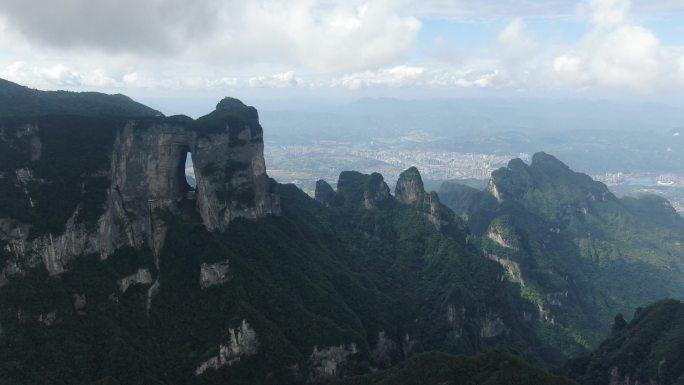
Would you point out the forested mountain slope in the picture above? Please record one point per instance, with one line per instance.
(114, 270)
(578, 252)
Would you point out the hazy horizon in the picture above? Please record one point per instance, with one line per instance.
(272, 51)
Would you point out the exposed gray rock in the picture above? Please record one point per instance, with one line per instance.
(140, 277)
(47, 319)
(376, 191)
(556, 298)
(494, 190)
(385, 350)
(497, 237)
(617, 379)
(491, 325)
(242, 342)
(329, 362)
(511, 267)
(214, 274)
(409, 188)
(545, 315)
(146, 171)
(151, 292)
(407, 346)
(456, 319)
(438, 214)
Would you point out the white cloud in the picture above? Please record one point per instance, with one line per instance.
(206, 83)
(616, 54)
(97, 78)
(280, 80)
(400, 76)
(55, 76)
(464, 9)
(343, 44)
(131, 78)
(331, 36)
(14, 72)
(606, 13)
(516, 44)
(628, 56)
(413, 76)
(569, 69)
(323, 35)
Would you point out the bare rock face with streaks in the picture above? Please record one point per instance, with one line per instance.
(143, 174)
(409, 188)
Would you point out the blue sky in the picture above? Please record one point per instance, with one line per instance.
(348, 48)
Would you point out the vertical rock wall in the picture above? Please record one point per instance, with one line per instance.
(147, 177)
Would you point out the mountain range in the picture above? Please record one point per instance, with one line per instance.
(113, 270)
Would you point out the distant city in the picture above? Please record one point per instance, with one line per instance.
(303, 165)
(670, 186)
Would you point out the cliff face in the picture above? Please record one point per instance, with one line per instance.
(140, 178)
(409, 188)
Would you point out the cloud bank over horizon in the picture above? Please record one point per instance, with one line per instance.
(174, 47)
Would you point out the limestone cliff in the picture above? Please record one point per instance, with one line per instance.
(140, 177)
(354, 188)
(409, 188)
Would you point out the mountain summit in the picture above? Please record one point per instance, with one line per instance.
(577, 251)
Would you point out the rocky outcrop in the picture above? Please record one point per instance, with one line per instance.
(409, 188)
(511, 267)
(214, 274)
(491, 325)
(140, 277)
(354, 188)
(324, 193)
(330, 362)
(438, 214)
(47, 319)
(242, 342)
(497, 237)
(386, 351)
(617, 379)
(146, 179)
(456, 319)
(376, 191)
(494, 190)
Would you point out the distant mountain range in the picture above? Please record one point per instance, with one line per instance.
(113, 270)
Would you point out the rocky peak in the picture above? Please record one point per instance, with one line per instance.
(324, 192)
(144, 174)
(547, 174)
(376, 190)
(544, 160)
(409, 188)
(355, 188)
(238, 108)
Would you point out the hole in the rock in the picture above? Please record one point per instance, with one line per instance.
(185, 174)
(190, 172)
